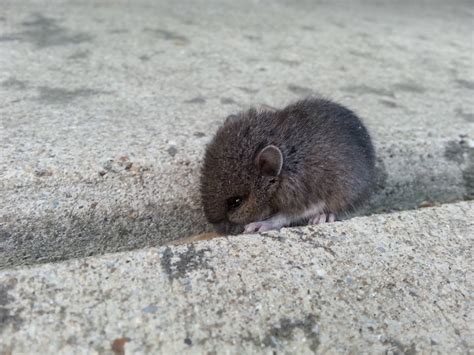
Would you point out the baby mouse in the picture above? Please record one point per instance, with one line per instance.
(267, 169)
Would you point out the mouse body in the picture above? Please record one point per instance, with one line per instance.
(306, 163)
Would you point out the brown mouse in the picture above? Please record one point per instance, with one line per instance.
(267, 169)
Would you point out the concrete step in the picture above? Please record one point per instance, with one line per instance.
(400, 283)
(104, 118)
(62, 218)
(105, 110)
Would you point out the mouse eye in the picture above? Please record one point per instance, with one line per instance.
(234, 202)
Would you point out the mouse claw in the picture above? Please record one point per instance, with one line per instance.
(257, 227)
(322, 218)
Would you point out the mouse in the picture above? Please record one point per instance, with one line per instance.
(310, 162)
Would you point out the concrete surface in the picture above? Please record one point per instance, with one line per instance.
(105, 110)
(385, 284)
(106, 107)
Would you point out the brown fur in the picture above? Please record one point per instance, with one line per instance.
(327, 156)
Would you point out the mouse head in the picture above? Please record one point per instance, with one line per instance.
(239, 178)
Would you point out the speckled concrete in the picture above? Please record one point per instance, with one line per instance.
(385, 284)
(105, 107)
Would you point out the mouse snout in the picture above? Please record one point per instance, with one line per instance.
(227, 227)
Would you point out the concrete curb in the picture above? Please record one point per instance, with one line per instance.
(126, 212)
(400, 282)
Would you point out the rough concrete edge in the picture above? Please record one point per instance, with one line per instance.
(204, 240)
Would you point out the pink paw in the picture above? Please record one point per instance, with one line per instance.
(322, 218)
(257, 227)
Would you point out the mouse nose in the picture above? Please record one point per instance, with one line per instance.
(223, 227)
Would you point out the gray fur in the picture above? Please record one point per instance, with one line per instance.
(327, 156)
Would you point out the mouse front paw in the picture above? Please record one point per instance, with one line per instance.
(257, 227)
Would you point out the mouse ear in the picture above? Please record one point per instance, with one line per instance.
(269, 161)
(231, 118)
